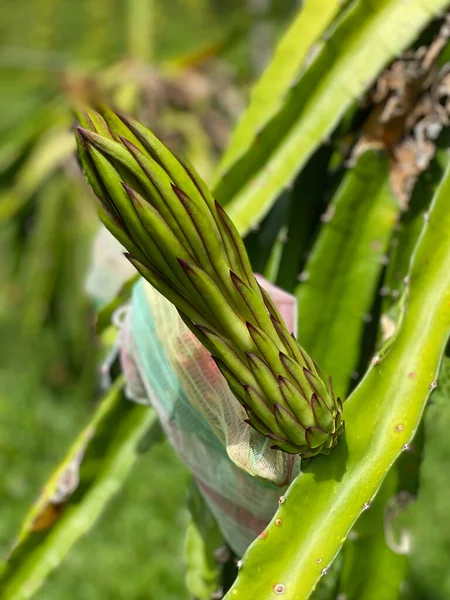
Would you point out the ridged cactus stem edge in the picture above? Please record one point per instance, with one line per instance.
(382, 415)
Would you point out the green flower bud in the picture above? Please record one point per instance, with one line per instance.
(186, 246)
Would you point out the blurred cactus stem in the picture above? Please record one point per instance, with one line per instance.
(185, 245)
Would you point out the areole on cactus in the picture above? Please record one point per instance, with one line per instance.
(182, 241)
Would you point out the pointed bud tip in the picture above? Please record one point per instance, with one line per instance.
(251, 390)
(129, 145)
(330, 384)
(134, 261)
(83, 134)
(234, 278)
(133, 195)
(131, 258)
(282, 380)
(179, 192)
(222, 214)
(284, 358)
(185, 265)
(279, 408)
(251, 328)
(219, 362)
(205, 330)
(128, 189)
(252, 357)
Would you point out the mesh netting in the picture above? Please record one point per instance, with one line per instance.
(239, 475)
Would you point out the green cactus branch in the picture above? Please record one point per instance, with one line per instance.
(376, 554)
(382, 415)
(307, 203)
(371, 569)
(410, 225)
(344, 266)
(269, 92)
(365, 37)
(428, 515)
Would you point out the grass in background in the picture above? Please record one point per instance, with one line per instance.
(136, 550)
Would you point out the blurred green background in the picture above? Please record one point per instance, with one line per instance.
(184, 66)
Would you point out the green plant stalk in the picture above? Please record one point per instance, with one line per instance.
(353, 54)
(324, 502)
